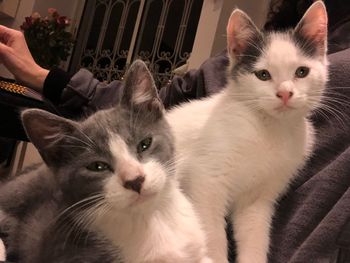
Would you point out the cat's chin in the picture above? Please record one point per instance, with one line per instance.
(286, 112)
(144, 197)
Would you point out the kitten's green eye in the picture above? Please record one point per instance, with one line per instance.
(302, 72)
(263, 75)
(144, 144)
(98, 167)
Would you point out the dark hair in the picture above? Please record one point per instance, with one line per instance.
(284, 14)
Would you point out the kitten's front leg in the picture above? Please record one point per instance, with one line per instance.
(212, 217)
(251, 225)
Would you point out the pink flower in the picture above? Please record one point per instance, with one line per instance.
(51, 11)
(35, 16)
(63, 21)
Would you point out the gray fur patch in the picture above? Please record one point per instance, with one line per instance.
(245, 62)
(308, 47)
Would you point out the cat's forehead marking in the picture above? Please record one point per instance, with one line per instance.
(118, 147)
(246, 61)
(121, 155)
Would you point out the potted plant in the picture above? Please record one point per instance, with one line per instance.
(47, 38)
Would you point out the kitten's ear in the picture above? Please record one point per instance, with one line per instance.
(240, 32)
(140, 90)
(313, 27)
(45, 129)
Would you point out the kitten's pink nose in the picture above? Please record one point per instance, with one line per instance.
(284, 95)
(135, 184)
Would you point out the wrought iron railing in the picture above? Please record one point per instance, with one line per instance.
(160, 32)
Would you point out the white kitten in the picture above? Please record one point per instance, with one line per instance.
(238, 150)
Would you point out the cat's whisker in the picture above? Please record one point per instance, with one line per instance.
(71, 225)
(78, 140)
(134, 119)
(331, 95)
(251, 43)
(338, 87)
(337, 114)
(87, 218)
(252, 56)
(81, 221)
(78, 205)
(92, 143)
(73, 146)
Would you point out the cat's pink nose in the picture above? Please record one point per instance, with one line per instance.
(284, 95)
(135, 184)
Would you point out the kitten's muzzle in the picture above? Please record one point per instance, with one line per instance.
(135, 184)
(284, 95)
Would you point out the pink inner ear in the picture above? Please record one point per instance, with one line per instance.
(238, 32)
(314, 23)
(318, 35)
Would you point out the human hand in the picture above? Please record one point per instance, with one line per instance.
(16, 57)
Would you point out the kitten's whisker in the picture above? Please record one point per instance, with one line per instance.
(86, 219)
(72, 146)
(77, 140)
(247, 56)
(78, 205)
(87, 137)
(337, 114)
(80, 222)
(338, 87)
(251, 43)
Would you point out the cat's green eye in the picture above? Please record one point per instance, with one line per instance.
(98, 167)
(144, 144)
(302, 72)
(263, 75)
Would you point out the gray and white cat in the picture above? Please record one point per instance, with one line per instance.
(107, 191)
(239, 150)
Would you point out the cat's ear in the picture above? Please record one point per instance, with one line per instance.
(241, 31)
(312, 28)
(140, 91)
(45, 129)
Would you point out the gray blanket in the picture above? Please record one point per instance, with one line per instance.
(313, 220)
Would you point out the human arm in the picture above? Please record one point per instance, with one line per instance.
(16, 57)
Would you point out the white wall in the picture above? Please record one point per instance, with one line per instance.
(211, 32)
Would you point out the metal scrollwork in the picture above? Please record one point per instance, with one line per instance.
(109, 62)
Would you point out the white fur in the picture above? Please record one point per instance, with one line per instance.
(238, 150)
(157, 225)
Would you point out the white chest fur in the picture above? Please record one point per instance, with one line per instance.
(169, 234)
(237, 162)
